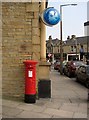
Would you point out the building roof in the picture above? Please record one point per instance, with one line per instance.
(86, 23)
(80, 40)
(54, 42)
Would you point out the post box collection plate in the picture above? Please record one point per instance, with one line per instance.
(30, 74)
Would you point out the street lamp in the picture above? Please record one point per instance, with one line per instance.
(76, 47)
(87, 51)
(61, 48)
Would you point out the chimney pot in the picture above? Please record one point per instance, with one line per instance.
(73, 36)
(68, 37)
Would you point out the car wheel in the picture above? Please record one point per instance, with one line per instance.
(69, 74)
(77, 80)
(64, 72)
(87, 84)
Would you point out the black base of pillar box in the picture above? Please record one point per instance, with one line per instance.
(30, 98)
(44, 88)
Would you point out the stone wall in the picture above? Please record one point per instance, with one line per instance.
(20, 41)
(67, 49)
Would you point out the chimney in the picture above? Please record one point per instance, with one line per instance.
(68, 37)
(73, 36)
(50, 38)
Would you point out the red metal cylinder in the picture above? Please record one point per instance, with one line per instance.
(30, 81)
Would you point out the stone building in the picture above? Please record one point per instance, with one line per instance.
(86, 28)
(73, 45)
(86, 24)
(23, 37)
(53, 47)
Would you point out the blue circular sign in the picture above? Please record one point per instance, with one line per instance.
(50, 16)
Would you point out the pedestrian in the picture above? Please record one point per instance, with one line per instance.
(81, 52)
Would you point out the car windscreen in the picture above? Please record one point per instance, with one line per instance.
(78, 63)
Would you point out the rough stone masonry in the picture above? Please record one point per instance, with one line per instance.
(20, 41)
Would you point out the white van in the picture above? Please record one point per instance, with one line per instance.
(73, 56)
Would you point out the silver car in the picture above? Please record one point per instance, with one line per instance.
(82, 74)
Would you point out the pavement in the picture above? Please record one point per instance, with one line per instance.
(68, 100)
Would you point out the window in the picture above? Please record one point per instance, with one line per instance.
(71, 48)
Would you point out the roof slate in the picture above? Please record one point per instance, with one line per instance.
(54, 42)
(80, 40)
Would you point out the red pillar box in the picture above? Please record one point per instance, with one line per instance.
(30, 81)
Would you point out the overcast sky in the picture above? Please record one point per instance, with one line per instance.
(73, 18)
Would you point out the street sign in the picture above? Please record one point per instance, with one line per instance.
(49, 55)
(50, 16)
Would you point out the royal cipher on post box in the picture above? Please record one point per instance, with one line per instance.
(30, 81)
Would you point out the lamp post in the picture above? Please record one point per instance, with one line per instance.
(76, 47)
(87, 52)
(61, 47)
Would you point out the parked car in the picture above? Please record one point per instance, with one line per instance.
(71, 66)
(63, 65)
(82, 74)
(56, 65)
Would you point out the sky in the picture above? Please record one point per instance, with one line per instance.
(73, 19)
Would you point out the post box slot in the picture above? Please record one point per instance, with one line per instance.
(30, 67)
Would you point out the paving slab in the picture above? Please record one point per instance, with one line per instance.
(0, 109)
(54, 105)
(42, 101)
(80, 115)
(70, 108)
(38, 109)
(61, 100)
(27, 107)
(0, 101)
(57, 116)
(28, 114)
(10, 103)
(9, 111)
(82, 109)
(78, 100)
(56, 112)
